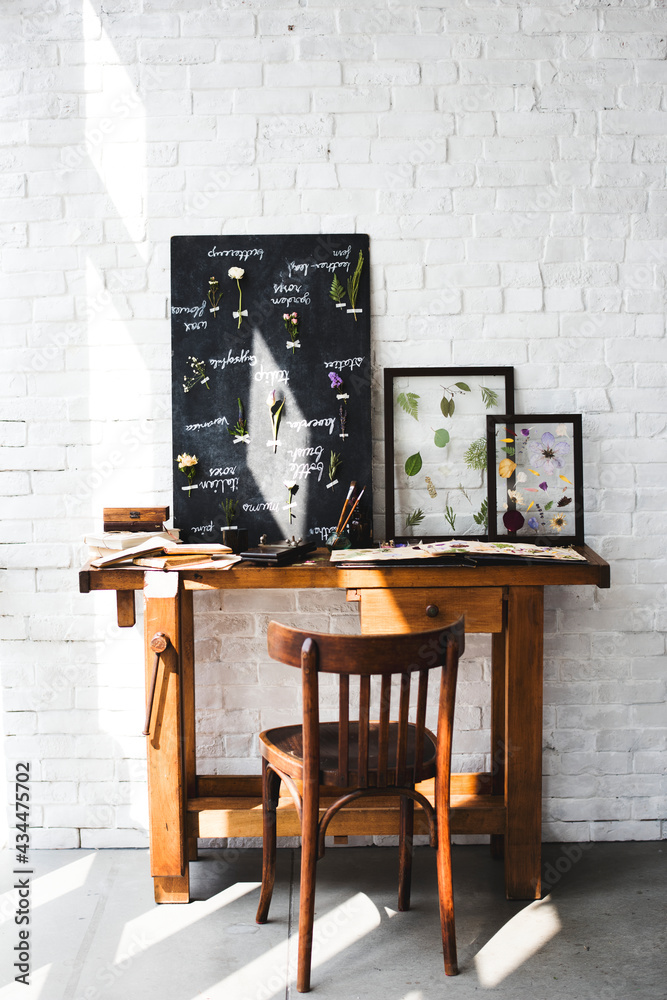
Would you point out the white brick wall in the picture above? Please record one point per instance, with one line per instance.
(509, 165)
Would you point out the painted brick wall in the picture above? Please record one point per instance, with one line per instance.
(508, 162)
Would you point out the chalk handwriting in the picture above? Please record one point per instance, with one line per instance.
(299, 425)
(350, 363)
(196, 326)
(304, 469)
(343, 253)
(292, 300)
(218, 422)
(274, 377)
(223, 485)
(241, 254)
(315, 453)
(228, 470)
(245, 357)
(322, 532)
(282, 287)
(202, 529)
(255, 507)
(301, 267)
(194, 311)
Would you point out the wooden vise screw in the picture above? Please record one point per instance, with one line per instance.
(158, 644)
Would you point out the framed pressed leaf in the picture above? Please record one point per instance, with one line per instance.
(435, 449)
(535, 478)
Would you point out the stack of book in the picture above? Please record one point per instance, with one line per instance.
(156, 550)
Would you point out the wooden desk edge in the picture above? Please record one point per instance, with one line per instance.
(322, 575)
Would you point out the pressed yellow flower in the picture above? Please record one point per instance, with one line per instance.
(506, 468)
(533, 472)
(565, 479)
(558, 522)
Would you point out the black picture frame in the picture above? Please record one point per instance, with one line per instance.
(555, 468)
(396, 428)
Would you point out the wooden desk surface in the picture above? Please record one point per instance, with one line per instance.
(320, 573)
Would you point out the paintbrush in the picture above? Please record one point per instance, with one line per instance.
(354, 507)
(347, 499)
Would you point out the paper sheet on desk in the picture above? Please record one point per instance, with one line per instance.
(456, 547)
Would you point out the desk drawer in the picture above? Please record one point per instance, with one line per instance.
(405, 609)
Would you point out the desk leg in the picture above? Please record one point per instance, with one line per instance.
(188, 687)
(166, 769)
(523, 741)
(498, 729)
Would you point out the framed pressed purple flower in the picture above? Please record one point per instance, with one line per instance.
(535, 478)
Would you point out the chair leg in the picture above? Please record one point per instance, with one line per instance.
(309, 829)
(270, 793)
(405, 851)
(445, 884)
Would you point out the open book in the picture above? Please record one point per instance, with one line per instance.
(178, 553)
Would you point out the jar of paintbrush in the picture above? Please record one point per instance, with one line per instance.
(340, 538)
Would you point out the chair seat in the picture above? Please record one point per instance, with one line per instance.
(283, 746)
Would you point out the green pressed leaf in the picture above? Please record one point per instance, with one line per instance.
(475, 456)
(415, 518)
(549, 505)
(450, 517)
(462, 386)
(408, 401)
(508, 449)
(336, 291)
(489, 397)
(441, 437)
(413, 464)
(444, 406)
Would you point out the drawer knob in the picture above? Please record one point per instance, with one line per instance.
(432, 610)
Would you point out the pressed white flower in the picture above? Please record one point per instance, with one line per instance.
(236, 273)
(271, 398)
(289, 483)
(185, 460)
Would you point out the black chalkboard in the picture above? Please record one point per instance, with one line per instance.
(216, 362)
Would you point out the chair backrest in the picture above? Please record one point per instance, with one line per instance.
(368, 656)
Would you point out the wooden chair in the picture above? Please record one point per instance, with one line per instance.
(362, 757)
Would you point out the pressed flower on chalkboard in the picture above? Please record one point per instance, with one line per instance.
(188, 465)
(198, 374)
(342, 397)
(240, 429)
(214, 295)
(335, 462)
(292, 488)
(236, 273)
(229, 509)
(276, 408)
(337, 292)
(353, 286)
(291, 321)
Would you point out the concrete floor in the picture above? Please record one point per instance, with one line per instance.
(96, 933)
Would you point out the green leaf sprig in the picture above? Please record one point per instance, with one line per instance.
(409, 401)
(353, 284)
(336, 291)
(415, 518)
(447, 404)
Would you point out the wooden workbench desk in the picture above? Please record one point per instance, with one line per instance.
(505, 600)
